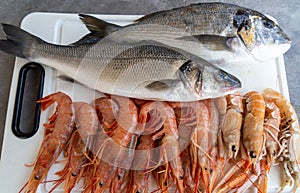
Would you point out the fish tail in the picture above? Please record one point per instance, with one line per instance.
(98, 26)
(18, 42)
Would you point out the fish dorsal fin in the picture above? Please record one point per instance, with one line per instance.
(98, 26)
(98, 30)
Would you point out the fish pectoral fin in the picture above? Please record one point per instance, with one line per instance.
(213, 42)
(67, 78)
(162, 85)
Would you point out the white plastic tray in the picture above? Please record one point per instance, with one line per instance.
(66, 28)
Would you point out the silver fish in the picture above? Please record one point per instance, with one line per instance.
(219, 31)
(145, 70)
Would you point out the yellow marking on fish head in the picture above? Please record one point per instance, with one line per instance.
(247, 34)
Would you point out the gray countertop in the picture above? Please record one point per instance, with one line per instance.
(12, 11)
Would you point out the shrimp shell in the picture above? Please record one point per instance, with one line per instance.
(253, 131)
(289, 138)
(271, 127)
(117, 150)
(53, 142)
(232, 124)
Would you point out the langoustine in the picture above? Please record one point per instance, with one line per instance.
(289, 138)
(231, 128)
(253, 131)
(272, 145)
(246, 170)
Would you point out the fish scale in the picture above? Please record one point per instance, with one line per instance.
(247, 34)
(152, 59)
(141, 69)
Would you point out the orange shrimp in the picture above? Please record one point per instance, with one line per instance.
(117, 152)
(190, 117)
(198, 138)
(142, 163)
(210, 164)
(107, 110)
(150, 121)
(74, 168)
(170, 148)
(168, 137)
(289, 138)
(169, 145)
(242, 180)
(86, 123)
(160, 175)
(53, 142)
(189, 183)
(271, 129)
(253, 130)
(187, 117)
(232, 124)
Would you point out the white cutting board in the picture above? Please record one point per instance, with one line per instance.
(64, 29)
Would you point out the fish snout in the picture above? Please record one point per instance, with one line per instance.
(230, 81)
(271, 42)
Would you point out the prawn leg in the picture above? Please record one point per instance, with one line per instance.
(55, 141)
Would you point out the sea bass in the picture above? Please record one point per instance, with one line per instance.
(145, 70)
(213, 31)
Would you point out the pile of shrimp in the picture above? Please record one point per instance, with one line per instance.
(116, 144)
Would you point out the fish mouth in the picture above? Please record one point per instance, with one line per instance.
(264, 53)
(230, 88)
(230, 82)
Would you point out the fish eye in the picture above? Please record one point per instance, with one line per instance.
(268, 24)
(101, 184)
(189, 69)
(186, 67)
